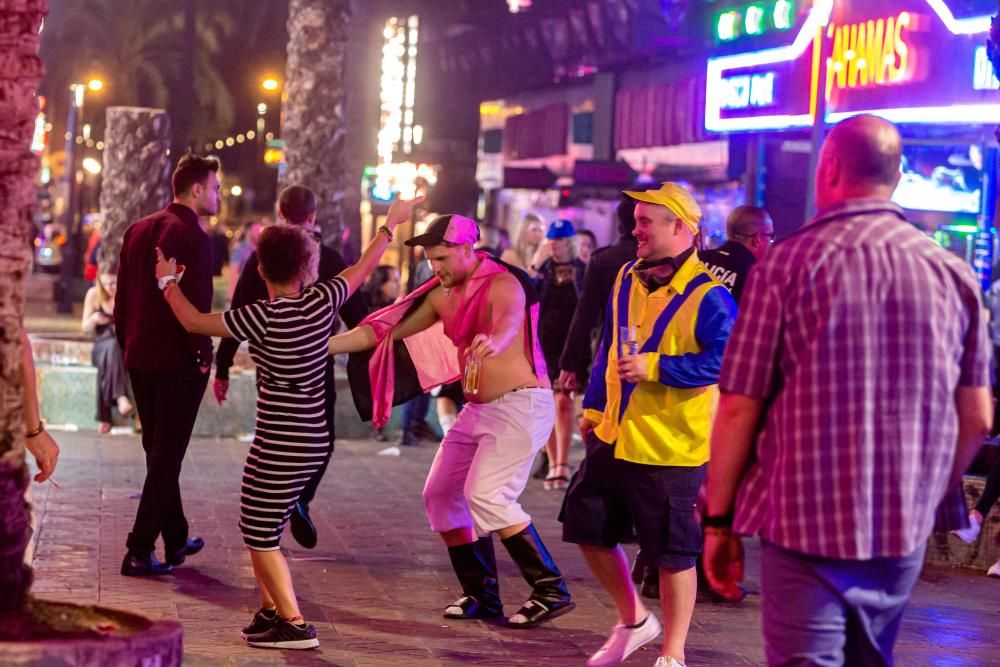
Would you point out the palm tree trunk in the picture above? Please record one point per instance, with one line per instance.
(136, 174)
(184, 113)
(314, 127)
(20, 72)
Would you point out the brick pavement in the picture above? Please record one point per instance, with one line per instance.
(377, 581)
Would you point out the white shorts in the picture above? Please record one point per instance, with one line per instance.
(484, 462)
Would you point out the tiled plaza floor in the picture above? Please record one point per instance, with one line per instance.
(376, 583)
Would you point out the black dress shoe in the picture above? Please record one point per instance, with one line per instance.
(133, 566)
(303, 529)
(190, 548)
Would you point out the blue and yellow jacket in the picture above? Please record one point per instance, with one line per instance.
(667, 418)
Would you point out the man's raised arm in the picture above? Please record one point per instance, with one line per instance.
(363, 337)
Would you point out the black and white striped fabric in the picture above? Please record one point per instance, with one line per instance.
(288, 341)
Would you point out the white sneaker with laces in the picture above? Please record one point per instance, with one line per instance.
(667, 661)
(969, 535)
(624, 641)
(994, 570)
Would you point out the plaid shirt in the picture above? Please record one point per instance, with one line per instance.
(855, 332)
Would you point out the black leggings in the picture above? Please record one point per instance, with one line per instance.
(991, 492)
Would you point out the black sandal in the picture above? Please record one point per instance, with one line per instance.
(557, 482)
(468, 607)
(535, 612)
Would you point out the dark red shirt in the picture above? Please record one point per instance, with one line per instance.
(149, 333)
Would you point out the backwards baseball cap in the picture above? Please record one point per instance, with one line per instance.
(674, 198)
(454, 229)
(560, 229)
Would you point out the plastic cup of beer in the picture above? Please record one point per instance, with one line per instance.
(628, 339)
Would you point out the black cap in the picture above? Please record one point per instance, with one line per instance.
(454, 229)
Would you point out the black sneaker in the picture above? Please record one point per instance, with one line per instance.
(303, 528)
(262, 621)
(284, 634)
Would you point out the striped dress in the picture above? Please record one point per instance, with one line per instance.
(288, 341)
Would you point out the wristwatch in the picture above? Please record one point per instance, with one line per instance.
(386, 231)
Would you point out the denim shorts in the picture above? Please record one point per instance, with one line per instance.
(608, 497)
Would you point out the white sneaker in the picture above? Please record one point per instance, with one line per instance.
(969, 535)
(624, 641)
(994, 570)
(667, 661)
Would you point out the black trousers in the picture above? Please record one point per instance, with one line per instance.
(991, 492)
(168, 405)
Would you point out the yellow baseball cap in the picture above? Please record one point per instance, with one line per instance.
(674, 198)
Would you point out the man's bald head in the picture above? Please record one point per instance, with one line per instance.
(860, 158)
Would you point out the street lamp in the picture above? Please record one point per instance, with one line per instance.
(68, 270)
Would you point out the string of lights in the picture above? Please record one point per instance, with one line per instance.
(218, 144)
(234, 140)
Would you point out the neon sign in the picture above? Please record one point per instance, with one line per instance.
(918, 63)
(756, 90)
(869, 53)
(754, 20)
(983, 77)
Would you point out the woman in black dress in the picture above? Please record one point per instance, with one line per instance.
(560, 278)
(98, 319)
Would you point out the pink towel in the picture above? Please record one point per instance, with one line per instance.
(434, 356)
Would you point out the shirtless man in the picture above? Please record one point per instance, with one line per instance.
(483, 464)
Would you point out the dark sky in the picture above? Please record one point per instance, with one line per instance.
(250, 41)
(108, 38)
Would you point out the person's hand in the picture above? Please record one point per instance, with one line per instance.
(400, 211)
(102, 318)
(567, 380)
(220, 388)
(723, 560)
(633, 368)
(586, 426)
(46, 453)
(167, 267)
(543, 252)
(482, 346)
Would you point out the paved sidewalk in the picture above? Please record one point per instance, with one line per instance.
(377, 581)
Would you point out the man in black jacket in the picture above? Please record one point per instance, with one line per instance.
(168, 367)
(749, 234)
(598, 281)
(296, 206)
